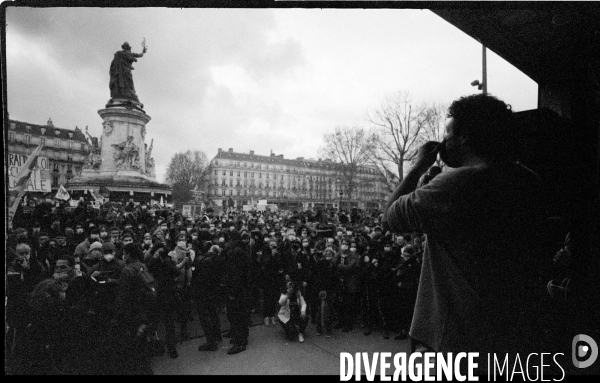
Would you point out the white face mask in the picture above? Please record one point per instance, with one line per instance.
(109, 257)
(305, 244)
(181, 244)
(353, 249)
(344, 247)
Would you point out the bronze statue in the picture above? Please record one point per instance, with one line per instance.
(121, 80)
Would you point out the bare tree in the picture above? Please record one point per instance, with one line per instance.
(186, 172)
(400, 125)
(349, 148)
(435, 130)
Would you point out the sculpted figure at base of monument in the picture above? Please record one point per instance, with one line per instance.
(126, 154)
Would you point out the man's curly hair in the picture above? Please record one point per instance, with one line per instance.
(487, 122)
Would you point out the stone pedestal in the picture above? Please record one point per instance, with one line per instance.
(121, 124)
(123, 133)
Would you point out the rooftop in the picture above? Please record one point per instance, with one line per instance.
(48, 130)
(275, 159)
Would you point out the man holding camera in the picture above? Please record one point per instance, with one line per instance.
(484, 221)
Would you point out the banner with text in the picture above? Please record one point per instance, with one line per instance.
(39, 180)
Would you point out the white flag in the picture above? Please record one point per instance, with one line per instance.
(62, 193)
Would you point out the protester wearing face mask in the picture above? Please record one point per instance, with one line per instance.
(325, 281)
(83, 248)
(80, 234)
(104, 234)
(347, 267)
(165, 272)
(147, 245)
(92, 258)
(183, 256)
(108, 269)
(132, 313)
(407, 277)
(206, 278)
(389, 261)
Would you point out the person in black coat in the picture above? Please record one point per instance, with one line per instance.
(205, 292)
(236, 280)
(163, 268)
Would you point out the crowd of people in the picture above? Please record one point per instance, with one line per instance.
(101, 290)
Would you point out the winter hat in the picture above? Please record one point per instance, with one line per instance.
(95, 245)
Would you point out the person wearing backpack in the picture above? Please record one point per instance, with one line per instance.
(132, 312)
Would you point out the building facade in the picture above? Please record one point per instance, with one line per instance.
(66, 149)
(245, 178)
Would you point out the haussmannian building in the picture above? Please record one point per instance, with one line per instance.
(66, 149)
(297, 183)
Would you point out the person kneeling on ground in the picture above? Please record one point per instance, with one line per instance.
(292, 314)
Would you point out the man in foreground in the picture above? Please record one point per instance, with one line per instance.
(483, 218)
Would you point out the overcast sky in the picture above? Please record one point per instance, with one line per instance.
(247, 79)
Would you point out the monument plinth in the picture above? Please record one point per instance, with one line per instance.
(120, 160)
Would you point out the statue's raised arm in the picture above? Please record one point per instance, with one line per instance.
(121, 79)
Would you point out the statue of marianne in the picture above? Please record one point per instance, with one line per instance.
(121, 80)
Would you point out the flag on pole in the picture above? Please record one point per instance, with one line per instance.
(62, 193)
(96, 195)
(104, 191)
(21, 182)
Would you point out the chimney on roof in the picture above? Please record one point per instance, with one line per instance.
(219, 150)
(230, 150)
(49, 123)
(252, 152)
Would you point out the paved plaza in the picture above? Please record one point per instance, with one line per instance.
(268, 353)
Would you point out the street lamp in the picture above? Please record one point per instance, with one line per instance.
(483, 84)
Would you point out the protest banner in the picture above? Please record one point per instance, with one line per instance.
(39, 179)
(21, 180)
(62, 194)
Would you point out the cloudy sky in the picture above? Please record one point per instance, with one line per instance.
(247, 79)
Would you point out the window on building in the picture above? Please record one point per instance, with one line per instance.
(70, 145)
(230, 182)
(238, 174)
(231, 173)
(57, 143)
(27, 139)
(245, 193)
(267, 175)
(223, 192)
(231, 193)
(245, 174)
(259, 175)
(252, 174)
(223, 172)
(12, 136)
(216, 172)
(43, 140)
